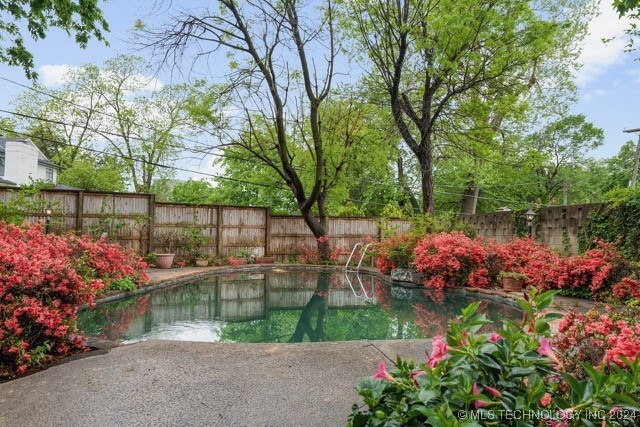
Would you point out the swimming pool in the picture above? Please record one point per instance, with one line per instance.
(282, 306)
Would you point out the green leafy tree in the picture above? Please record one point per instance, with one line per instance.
(555, 148)
(82, 18)
(281, 70)
(358, 175)
(63, 122)
(88, 174)
(453, 72)
(194, 192)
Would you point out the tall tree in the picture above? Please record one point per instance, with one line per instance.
(82, 18)
(281, 71)
(559, 145)
(453, 71)
(63, 122)
(358, 174)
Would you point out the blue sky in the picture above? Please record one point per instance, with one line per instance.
(609, 81)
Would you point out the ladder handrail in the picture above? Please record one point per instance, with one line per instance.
(353, 251)
(364, 252)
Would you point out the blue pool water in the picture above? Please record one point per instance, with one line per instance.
(282, 306)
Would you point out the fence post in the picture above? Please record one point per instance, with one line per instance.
(152, 222)
(267, 232)
(79, 211)
(219, 245)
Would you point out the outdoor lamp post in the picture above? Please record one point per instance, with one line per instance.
(530, 215)
(47, 223)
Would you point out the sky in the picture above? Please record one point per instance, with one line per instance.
(609, 81)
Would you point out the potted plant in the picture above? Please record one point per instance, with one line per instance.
(240, 258)
(512, 281)
(167, 241)
(193, 242)
(201, 260)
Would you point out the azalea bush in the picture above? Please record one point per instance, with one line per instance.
(603, 337)
(511, 376)
(452, 259)
(310, 255)
(44, 279)
(395, 252)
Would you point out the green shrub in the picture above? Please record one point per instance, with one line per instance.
(508, 377)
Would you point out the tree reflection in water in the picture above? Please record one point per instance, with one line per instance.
(318, 304)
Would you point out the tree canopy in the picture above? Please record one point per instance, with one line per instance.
(83, 19)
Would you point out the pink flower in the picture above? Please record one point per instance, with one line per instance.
(545, 400)
(494, 337)
(492, 391)
(546, 350)
(439, 352)
(478, 403)
(383, 374)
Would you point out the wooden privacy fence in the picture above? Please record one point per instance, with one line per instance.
(139, 222)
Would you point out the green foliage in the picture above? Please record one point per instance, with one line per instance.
(193, 191)
(109, 222)
(25, 202)
(192, 242)
(616, 221)
(86, 175)
(480, 379)
(122, 284)
(82, 19)
(447, 222)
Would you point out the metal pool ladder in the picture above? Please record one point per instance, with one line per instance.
(353, 251)
(362, 292)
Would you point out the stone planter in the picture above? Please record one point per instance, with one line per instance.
(407, 275)
(265, 259)
(202, 262)
(164, 260)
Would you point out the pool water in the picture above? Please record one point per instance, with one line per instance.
(282, 306)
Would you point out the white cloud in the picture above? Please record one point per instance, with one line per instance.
(597, 56)
(54, 75)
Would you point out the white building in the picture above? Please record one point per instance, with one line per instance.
(21, 163)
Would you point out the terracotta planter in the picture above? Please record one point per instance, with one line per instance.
(512, 284)
(164, 260)
(265, 260)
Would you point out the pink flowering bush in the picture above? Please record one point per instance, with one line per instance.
(488, 379)
(43, 281)
(310, 255)
(451, 259)
(395, 252)
(600, 338)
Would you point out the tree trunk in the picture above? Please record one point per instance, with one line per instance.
(405, 188)
(426, 176)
